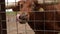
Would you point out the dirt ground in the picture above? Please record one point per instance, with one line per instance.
(14, 27)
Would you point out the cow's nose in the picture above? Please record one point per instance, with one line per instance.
(22, 18)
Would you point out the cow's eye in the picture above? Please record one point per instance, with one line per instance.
(21, 6)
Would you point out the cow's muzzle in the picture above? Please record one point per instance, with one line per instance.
(22, 18)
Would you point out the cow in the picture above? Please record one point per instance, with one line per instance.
(46, 22)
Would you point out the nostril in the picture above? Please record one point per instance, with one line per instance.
(23, 17)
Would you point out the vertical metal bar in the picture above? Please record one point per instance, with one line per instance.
(3, 29)
(0, 18)
(16, 20)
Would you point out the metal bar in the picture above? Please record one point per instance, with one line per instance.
(3, 17)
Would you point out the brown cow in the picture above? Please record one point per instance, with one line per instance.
(46, 22)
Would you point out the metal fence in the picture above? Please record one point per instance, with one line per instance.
(9, 24)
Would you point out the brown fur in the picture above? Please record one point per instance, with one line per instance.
(41, 16)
